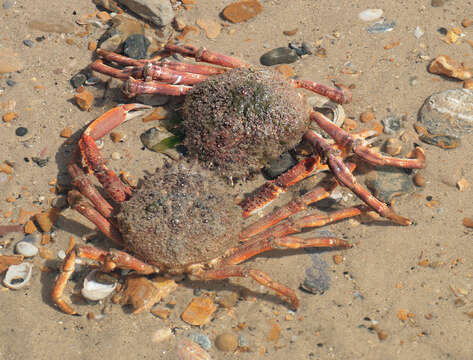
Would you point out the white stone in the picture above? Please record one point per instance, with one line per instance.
(370, 14)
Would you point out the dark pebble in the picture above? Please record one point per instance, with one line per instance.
(437, 3)
(40, 38)
(40, 161)
(200, 339)
(78, 80)
(301, 49)
(21, 131)
(136, 46)
(29, 43)
(392, 124)
(279, 166)
(93, 80)
(282, 55)
(388, 182)
(11, 82)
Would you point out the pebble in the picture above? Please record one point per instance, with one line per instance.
(26, 249)
(21, 131)
(301, 49)
(7, 260)
(84, 99)
(199, 311)
(11, 82)
(10, 116)
(116, 155)
(117, 136)
(448, 114)
(63, 27)
(78, 80)
(201, 339)
(226, 342)
(445, 65)
(279, 166)
(29, 43)
(46, 219)
(392, 124)
(381, 27)
(9, 61)
(159, 12)
(419, 180)
(18, 276)
(46, 253)
(212, 29)
(387, 182)
(437, 3)
(467, 23)
(370, 14)
(468, 222)
(66, 132)
(366, 116)
(161, 141)
(281, 55)
(393, 146)
(241, 11)
(161, 335)
(136, 46)
(317, 277)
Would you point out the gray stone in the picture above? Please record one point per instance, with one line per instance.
(387, 182)
(279, 166)
(200, 339)
(159, 12)
(136, 46)
(78, 80)
(282, 55)
(392, 124)
(26, 249)
(448, 113)
(29, 43)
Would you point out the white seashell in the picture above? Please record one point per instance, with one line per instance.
(94, 290)
(370, 14)
(161, 334)
(18, 276)
(418, 32)
(26, 249)
(189, 350)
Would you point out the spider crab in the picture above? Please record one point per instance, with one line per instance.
(181, 219)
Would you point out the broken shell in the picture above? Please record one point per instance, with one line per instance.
(18, 276)
(445, 65)
(199, 311)
(189, 350)
(94, 290)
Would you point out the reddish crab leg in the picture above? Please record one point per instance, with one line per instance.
(202, 54)
(133, 87)
(262, 278)
(345, 177)
(149, 72)
(319, 193)
(344, 139)
(120, 59)
(340, 96)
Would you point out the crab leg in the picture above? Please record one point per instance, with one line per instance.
(202, 54)
(344, 139)
(120, 59)
(340, 96)
(319, 193)
(287, 294)
(67, 268)
(289, 226)
(149, 72)
(133, 87)
(77, 202)
(345, 177)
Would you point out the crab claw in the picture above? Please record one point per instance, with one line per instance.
(113, 118)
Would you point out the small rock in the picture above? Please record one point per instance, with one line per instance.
(419, 180)
(468, 222)
(445, 65)
(381, 27)
(161, 313)
(116, 155)
(61, 28)
(66, 132)
(84, 99)
(211, 28)
(117, 136)
(366, 116)
(370, 14)
(11, 82)
(337, 259)
(301, 49)
(93, 80)
(160, 113)
(7, 260)
(279, 166)
(28, 43)
(161, 335)
(393, 146)
(467, 23)
(241, 11)
(290, 32)
(226, 342)
(26, 249)
(462, 184)
(199, 311)
(447, 114)
(78, 80)
(21, 131)
(46, 253)
(159, 12)
(387, 182)
(46, 219)
(201, 339)
(136, 46)
(392, 124)
(282, 55)
(10, 116)
(437, 3)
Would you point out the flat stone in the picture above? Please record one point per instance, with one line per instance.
(159, 12)
(212, 29)
(279, 166)
(281, 55)
(241, 11)
(136, 46)
(448, 113)
(61, 28)
(387, 182)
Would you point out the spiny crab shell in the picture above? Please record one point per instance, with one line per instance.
(180, 215)
(238, 121)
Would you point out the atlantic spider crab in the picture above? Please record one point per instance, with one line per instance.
(182, 219)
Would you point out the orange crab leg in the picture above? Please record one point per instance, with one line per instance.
(345, 177)
(133, 87)
(67, 268)
(340, 96)
(202, 54)
(287, 294)
(344, 139)
(111, 56)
